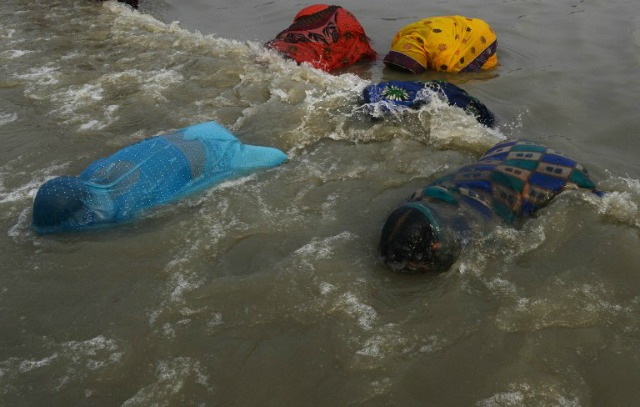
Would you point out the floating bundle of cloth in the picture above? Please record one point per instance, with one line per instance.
(143, 175)
(330, 37)
(509, 183)
(395, 95)
(327, 37)
(446, 43)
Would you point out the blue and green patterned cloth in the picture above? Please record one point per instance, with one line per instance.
(508, 184)
(395, 95)
(511, 180)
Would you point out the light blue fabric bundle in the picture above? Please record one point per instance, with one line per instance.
(151, 172)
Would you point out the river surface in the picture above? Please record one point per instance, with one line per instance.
(267, 290)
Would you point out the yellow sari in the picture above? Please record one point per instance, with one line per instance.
(447, 43)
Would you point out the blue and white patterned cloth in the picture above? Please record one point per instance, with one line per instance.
(395, 95)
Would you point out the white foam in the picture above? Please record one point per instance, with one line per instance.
(28, 190)
(23, 195)
(70, 99)
(29, 365)
(431, 344)
(44, 75)
(506, 243)
(21, 224)
(365, 314)
(502, 287)
(171, 377)
(380, 387)
(168, 330)
(326, 288)
(506, 399)
(452, 126)
(71, 55)
(182, 279)
(92, 125)
(6, 118)
(373, 347)
(15, 53)
(321, 249)
(620, 206)
(23, 192)
(621, 201)
(158, 81)
(563, 304)
(385, 342)
(547, 392)
(216, 320)
(9, 33)
(79, 103)
(97, 352)
(73, 361)
(183, 283)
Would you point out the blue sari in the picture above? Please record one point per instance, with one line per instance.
(152, 172)
(395, 95)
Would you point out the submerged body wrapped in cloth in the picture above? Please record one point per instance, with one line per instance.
(447, 44)
(326, 37)
(508, 184)
(146, 174)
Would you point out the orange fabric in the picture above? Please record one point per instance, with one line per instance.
(327, 37)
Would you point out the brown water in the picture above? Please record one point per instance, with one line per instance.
(267, 290)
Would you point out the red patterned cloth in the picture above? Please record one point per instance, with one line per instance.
(327, 37)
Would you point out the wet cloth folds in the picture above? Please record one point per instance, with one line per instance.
(508, 184)
(512, 180)
(447, 43)
(327, 37)
(143, 175)
(395, 95)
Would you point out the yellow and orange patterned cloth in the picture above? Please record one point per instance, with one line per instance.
(447, 44)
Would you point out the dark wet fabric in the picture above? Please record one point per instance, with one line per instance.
(392, 95)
